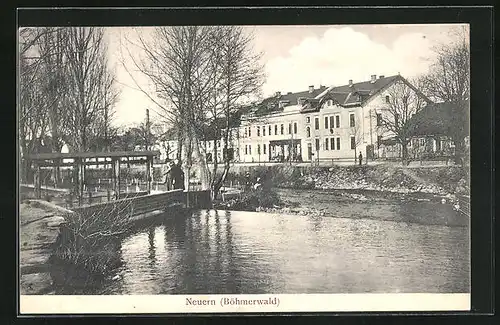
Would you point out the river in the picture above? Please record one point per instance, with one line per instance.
(387, 246)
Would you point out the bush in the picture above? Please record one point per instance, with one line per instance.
(252, 200)
(91, 240)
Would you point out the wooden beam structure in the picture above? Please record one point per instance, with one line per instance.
(79, 161)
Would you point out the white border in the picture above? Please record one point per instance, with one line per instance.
(154, 304)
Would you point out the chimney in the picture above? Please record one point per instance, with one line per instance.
(311, 89)
(374, 78)
(350, 82)
(381, 77)
(278, 93)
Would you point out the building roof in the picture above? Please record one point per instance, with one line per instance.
(439, 118)
(271, 104)
(355, 94)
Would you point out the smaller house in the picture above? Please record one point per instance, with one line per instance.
(433, 126)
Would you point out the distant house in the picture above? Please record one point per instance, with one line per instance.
(432, 128)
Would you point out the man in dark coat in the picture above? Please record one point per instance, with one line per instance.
(360, 158)
(177, 176)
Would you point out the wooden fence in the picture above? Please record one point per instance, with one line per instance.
(147, 203)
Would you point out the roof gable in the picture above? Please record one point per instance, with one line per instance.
(439, 118)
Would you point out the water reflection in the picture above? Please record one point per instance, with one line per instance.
(246, 252)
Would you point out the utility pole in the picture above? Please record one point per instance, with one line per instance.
(147, 129)
(106, 142)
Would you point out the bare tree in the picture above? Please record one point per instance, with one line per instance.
(239, 75)
(32, 115)
(404, 101)
(90, 82)
(175, 62)
(449, 81)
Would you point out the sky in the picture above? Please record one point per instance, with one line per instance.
(295, 57)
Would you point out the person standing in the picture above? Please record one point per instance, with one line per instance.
(360, 158)
(177, 176)
(168, 176)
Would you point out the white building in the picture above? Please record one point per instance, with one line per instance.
(333, 123)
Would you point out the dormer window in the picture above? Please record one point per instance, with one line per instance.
(387, 99)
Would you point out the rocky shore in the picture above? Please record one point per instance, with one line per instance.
(39, 228)
(351, 184)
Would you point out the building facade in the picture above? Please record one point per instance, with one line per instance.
(334, 124)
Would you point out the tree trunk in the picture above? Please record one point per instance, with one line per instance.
(404, 153)
(459, 150)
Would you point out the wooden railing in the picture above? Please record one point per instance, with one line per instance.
(147, 203)
(136, 205)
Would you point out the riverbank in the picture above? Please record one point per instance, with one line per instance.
(39, 230)
(441, 180)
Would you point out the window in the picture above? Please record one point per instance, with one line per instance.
(308, 131)
(264, 147)
(258, 149)
(289, 128)
(337, 120)
(282, 129)
(270, 129)
(316, 123)
(258, 131)
(353, 142)
(326, 122)
(379, 141)
(379, 119)
(317, 144)
(332, 125)
(387, 99)
(295, 128)
(249, 149)
(276, 129)
(396, 119)
(246, 150)
(264, 131)
(352, 122)
(338, 143)
(249, 132)
(332, 143)
(246, 132)
(326, 144)
(308, 119)
(218, 144)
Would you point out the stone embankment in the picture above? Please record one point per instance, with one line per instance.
(445, 180)
(39, 228)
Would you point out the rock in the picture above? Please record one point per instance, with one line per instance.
(35, 283)
(55, 221)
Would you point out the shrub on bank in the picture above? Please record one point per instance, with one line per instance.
(91, 240)
(254, 200)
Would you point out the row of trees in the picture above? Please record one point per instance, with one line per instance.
(200, 77)
(66, 90)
